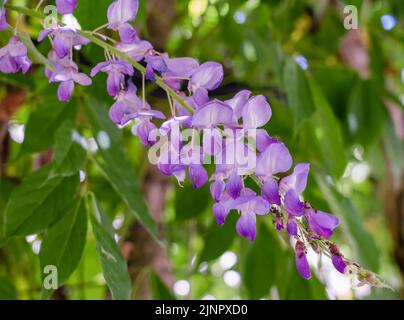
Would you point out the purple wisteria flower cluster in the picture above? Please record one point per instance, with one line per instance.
(225, 127)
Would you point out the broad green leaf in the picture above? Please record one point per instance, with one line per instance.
(188, 202)
(361, 241)
(327, 133)
(69, 154)
(159, 289)
(92, 16)
(63, 244)
(366, 113)
(299, 94)
(113, 264)
(43, 123)
(115, 165)
(264, 264)
(5, 192)
(219, 238)
(38, 202)
(7, 290)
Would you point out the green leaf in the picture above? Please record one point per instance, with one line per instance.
(5, 192)
(7, 290)
(219, 238)
(264, 264)
(361, 241)
(69, 154)
(159, 289)
(115, 165)
(298, 91)
(113, 264)
(366, 113)
(188, 202)
(63, 244)
(38, 202)
(328, 135)
(43, 123)
(92, 16)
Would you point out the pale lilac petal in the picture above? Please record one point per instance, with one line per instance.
(220, 212)
(127, 33)
(275, 159)
(212, 114)
(246, 226)
(256, 112)
(65, 90)
(135, 50)
(292, 203)
(118, 111)
(152, 113)
(122, 11)
(270, 191)
(197, 175)
(260, 206)
(66, 6)
(238, 102)
(263, 140)
(321, 222)
(216, 189)
(8, 65)
(297, 180)
(182, 67)
(82, 79)
(234, 185)
(44, 33)
(114, 81)
(209, 75)
(338, 262)
(201, 96)
(301, 261)
(143, 130)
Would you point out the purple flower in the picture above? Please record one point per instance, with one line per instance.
(321, 223)
(154, 63)
(238, 102)
(256, 113)
(275, 159)
(292, 186)
(301, 260)
(121, 12)
(178, 69)
(116, 74)
(128, 106)
(143, 130)
(13, 57)
(250, 205)
(3, 19)
(217, 189)
(234, 185)
(212, 114)
(64, 38)
(67, 77)
(270, 191)
(135, 50)
(208, 75)
(66, 6)
(337, 258)
(197, 175)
